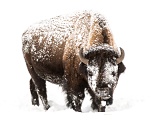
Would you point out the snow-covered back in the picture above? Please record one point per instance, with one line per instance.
(135, 27)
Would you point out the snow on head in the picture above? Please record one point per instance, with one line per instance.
(93, 71)
(110, 71)
(107, 75)
(102, 69)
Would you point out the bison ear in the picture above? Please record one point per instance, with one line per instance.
(83, 69)
(121, 68)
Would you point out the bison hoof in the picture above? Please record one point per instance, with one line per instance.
(35, 102)
(94, 106)
(109, 101)
(46, 107)
(77, 109)
(101, 109)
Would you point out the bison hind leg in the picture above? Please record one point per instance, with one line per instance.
(42, 92)
(35, 100)
(38, 89)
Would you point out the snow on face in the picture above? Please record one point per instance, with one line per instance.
(107, 75)
(93, 72)
(110, 72)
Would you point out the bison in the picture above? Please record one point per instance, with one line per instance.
(77, 52)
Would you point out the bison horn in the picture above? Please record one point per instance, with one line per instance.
(82, 58)
(120, 59)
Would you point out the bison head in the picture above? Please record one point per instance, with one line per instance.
(100, 65)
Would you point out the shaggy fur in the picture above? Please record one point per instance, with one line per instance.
(51, 51)
(101, 55)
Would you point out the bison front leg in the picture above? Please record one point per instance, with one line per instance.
(98, 105)
(109, 101)
(75, 100)
(101, 105)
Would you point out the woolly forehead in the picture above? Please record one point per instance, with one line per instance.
(104, 51)
(100, 63)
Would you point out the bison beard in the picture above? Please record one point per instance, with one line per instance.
(53, 51)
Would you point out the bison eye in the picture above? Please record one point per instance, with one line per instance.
(113, 73)
(90, 73)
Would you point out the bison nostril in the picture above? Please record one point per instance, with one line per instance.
(113, 73)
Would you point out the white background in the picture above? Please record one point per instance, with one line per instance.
(135, 25)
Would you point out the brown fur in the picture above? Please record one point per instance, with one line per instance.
(55, 58)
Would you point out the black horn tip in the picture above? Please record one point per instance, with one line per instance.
(120, 59)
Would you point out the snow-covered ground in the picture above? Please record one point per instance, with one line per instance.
(135, 26)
